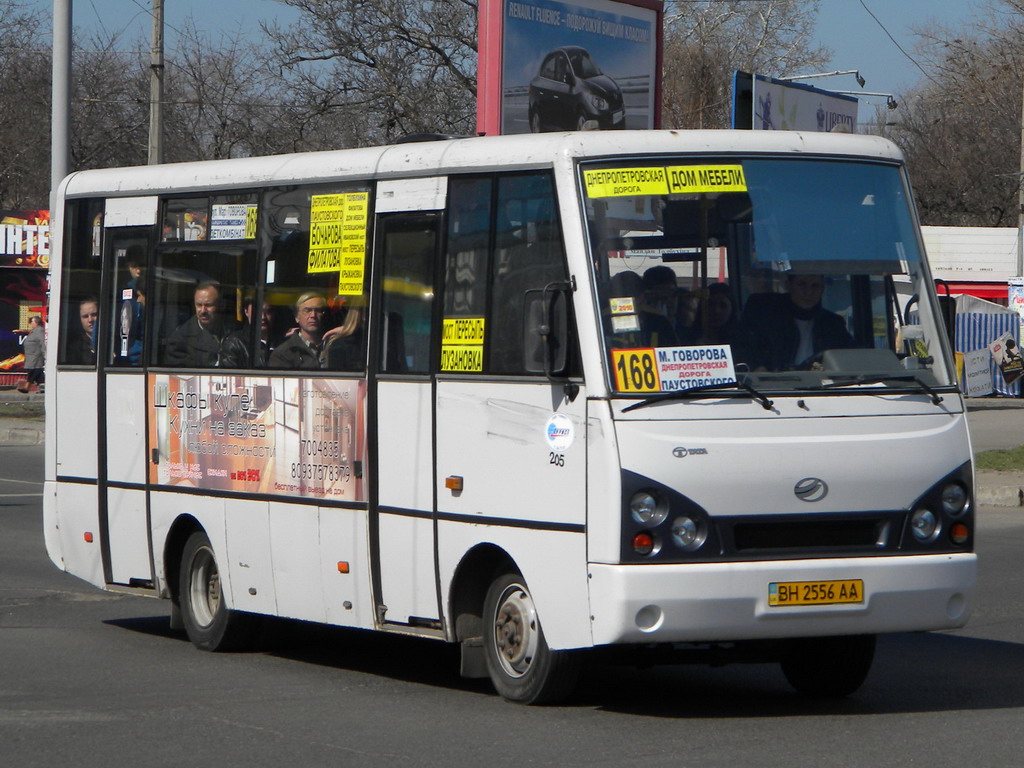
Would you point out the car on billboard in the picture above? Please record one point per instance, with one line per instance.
(570, 92)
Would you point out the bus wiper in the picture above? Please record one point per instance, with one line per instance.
(695, 391)
(859, 379)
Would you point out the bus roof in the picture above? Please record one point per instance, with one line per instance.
(454, 155)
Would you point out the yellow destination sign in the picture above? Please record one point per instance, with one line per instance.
(623, 182)
(681, 179)
(706, 178)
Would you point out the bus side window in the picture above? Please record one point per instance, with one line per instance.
(409, 243)
(80, 285)
(529, 256)
(335, 337)
(199, 302)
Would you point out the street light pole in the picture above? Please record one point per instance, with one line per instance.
(60, 89)
(1020, 195)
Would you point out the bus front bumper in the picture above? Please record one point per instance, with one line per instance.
(721, 602)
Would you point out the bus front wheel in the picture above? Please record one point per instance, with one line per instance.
(521, 666)
(828, 667)
(209, 624)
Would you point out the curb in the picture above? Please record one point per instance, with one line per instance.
(999, 496)
(10, 436)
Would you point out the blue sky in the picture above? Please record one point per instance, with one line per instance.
(845, 26)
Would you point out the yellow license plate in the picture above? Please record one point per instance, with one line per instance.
(815, 592)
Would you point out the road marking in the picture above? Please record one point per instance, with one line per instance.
(25, 482)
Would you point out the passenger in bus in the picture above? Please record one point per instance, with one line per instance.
(82, 346)
(660, 291)
(303, 349)
(343, 344)
(234, 350)
(716, 318)
(130, 312)
(684, 323)
(787, 331)
(196, 342)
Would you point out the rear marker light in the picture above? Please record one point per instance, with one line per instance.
(88, 537)
(343, 567)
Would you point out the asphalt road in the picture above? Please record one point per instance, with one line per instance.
(89, 678)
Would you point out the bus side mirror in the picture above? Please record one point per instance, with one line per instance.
(546, 329)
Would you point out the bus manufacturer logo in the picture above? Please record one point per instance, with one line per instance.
(682, 453)
(810, 489)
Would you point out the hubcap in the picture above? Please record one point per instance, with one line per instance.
(515, 630)
(204, 588)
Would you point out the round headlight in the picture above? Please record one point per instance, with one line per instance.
(646, 509)
(924, 524)
(688, 533)
(954, 499)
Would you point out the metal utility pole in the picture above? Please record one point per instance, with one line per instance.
(60, 113)
(156, 87)
(1020, 197)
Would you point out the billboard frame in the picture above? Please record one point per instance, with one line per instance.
(490, 61)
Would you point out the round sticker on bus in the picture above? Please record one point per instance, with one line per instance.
(559, 432)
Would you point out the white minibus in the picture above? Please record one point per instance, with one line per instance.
(660, 392)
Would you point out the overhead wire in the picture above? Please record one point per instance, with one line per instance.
(896, 43)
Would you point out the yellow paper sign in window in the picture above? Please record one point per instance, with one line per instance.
(326, 218)
(706, 178)
(462, 344)
(337, 238)
(353, 244)
(623, 182)
(251, 216)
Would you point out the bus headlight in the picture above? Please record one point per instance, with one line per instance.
(688, 533)
(647, 509)
(954, 499)
(924, 524)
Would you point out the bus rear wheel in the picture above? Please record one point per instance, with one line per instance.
(521, 666)
(828, 667)
(209, 624)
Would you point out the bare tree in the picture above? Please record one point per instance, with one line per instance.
(960, 128)
(388, 66)
(25, 117)
(110, 112)
(223, 100)
(708, 40)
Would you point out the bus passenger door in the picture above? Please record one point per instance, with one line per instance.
(122, 408)
(402, 488)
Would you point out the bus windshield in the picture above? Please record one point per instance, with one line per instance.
(778, 273)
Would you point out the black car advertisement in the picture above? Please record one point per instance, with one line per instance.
(578, 66)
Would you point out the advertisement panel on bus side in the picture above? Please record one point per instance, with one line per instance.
(290, 437)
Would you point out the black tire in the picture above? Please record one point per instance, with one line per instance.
(535, 126)
(521, 666)
(828, 667)
(208, 622)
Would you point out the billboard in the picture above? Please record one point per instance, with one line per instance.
(25, 239)
(547, 65)
(764, 103)
(24, 267)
